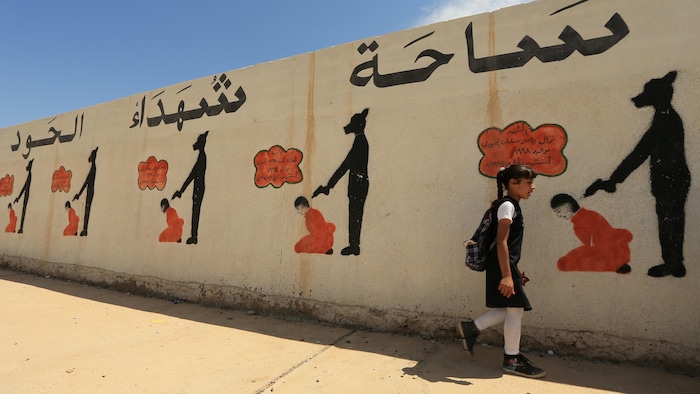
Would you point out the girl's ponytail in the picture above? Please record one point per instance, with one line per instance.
(499, 182)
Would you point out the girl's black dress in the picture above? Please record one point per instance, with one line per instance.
(494, 299)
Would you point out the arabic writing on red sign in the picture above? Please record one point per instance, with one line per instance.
(541, 148)
(60, 181)
(6, 184)
(153, 174)
(277, 166)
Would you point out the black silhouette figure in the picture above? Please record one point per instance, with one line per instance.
(355, 164)
(197, 176)
(25, 192)
(664, 145)
(89, 186)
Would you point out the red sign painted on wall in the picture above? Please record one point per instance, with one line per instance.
(541, 148)
(277, 166)
(60, 181)
(6, 184)
(153, 174)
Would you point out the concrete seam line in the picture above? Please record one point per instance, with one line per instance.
(295, 367)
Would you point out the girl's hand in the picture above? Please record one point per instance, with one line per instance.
(506, 287)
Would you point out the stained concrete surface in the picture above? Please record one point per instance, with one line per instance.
(58, 336)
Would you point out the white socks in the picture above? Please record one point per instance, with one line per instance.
(512, 319)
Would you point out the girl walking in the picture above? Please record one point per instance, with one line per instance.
(504, 282)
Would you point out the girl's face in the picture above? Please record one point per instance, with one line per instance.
(521, 188)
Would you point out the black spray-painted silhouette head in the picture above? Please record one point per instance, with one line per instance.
(67, 205)
(657, 92)
(164, 204)
(201, 141)
(357, 123)
(93, 155)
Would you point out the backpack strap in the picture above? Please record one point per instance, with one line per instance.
(497, 204)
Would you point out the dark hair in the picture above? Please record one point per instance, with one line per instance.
(301, 201)
(562, 199)
(513, 171)
(164, 203)
(67, 204)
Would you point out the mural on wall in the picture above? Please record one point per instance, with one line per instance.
(541, 149)
(568, 6)
(355, 164)
(368, 71)
(531, 49)
(25, 192)
(71, 229)
(664, 145)
(399, 77)
(604, 249)
(277, 166)
(172, 233)
(60, 180)
(6, 185)
(222, 82)
(153, 174)
(320, 237)
(196, 177)
(57, 135)
(89, 188)
(12, 225)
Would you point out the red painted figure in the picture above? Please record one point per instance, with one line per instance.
(173, 233)
(604, 249)
(72, 227)
(13, 220)
(320, 237)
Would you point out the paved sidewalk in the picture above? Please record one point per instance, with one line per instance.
(63, 337)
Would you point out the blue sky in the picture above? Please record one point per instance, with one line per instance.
(61, 56)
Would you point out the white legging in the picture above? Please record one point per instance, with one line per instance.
(512, 319)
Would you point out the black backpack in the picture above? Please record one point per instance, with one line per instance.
(479, 245)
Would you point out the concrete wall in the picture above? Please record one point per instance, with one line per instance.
(448, 104)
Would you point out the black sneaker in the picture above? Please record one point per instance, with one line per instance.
(521, 366)
(468, 332)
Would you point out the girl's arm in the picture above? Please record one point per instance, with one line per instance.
(506, 286)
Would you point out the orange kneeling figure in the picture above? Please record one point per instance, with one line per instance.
(173, 233)
(73, 219)
(12, 226)
(320, 237)
(604, 249)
